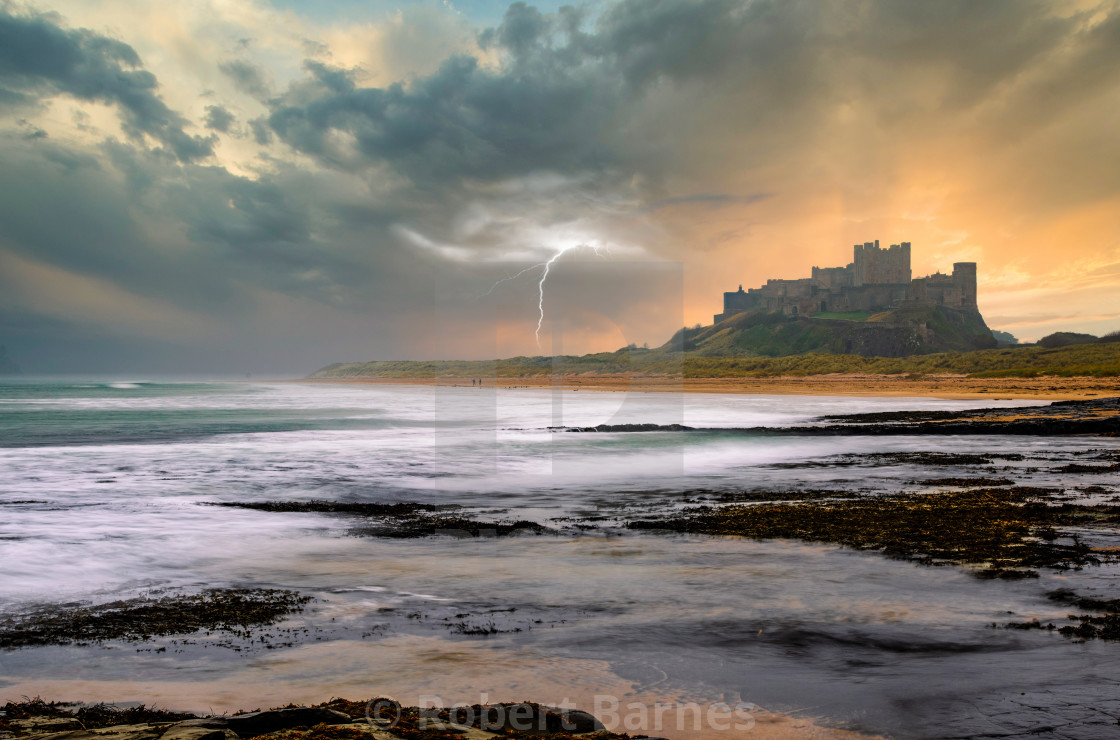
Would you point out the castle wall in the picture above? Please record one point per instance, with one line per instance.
(955, 291)
(834, 277)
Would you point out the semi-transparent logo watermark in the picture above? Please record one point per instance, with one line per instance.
(608, 712)
(529, 359)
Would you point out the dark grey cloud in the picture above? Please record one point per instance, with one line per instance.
(68, 159)
(523, 28)
(562, 99)
(546, 110)
(223, 250)
(249, 78)
(574, 101)
(262, 134)
(31, 130)
(276, 232)
(711, 200)
(219, 119)
(63, 207)
(40, 59)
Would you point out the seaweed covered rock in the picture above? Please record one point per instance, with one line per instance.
(115, 732)
(535, 719)
(261, 723)
(210, 728)
(233, 611)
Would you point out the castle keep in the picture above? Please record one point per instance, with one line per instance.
(876, 280)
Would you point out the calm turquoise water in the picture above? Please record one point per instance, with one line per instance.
(102, 497)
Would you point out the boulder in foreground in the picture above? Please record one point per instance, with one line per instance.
(262, 723)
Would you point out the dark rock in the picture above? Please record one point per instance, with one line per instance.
(209, 728)
(233, 611)
(211, 722)
(449, 526)
(581, 721)
(406, 508)
(536, 719)
(1098, 416)
(198, 733)
(630, 428)
(260, 723)
(1009, 531)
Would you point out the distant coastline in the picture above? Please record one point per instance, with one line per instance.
(1069, 372)
(933, 386)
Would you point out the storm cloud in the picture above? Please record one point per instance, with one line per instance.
(39, 59)
(219, 119)
(252, 190)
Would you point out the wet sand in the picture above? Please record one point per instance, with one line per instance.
(433, 672)
(958, 387)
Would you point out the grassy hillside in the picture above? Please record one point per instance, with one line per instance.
(899, 333)
(920, 340)
(1100, 360)
(622, 361)
(1095, 360)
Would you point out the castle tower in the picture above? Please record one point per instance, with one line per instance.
(873, 265)
(964, 275)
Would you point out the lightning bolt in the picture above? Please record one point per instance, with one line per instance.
(545, 268)
(458, 253)
(530, 268)
(540, 290)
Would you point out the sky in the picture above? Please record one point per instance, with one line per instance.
(268, 186)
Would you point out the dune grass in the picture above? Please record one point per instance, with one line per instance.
(1099, 360)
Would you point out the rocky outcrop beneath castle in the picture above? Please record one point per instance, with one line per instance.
(916, 331)
(911, 330)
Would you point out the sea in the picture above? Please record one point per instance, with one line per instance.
(105, 493)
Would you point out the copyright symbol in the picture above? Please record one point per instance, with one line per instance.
(383, 712)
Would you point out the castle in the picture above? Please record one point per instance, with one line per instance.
(877, 280)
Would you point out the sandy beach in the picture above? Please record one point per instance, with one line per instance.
(931, 386)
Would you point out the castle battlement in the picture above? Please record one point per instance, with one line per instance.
(877, 279)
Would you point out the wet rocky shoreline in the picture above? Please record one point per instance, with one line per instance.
(988, 517)
(403, 520)
(994, 533)
(238, 613)
(1016, 515)
(1098, 417)
(337, 719)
